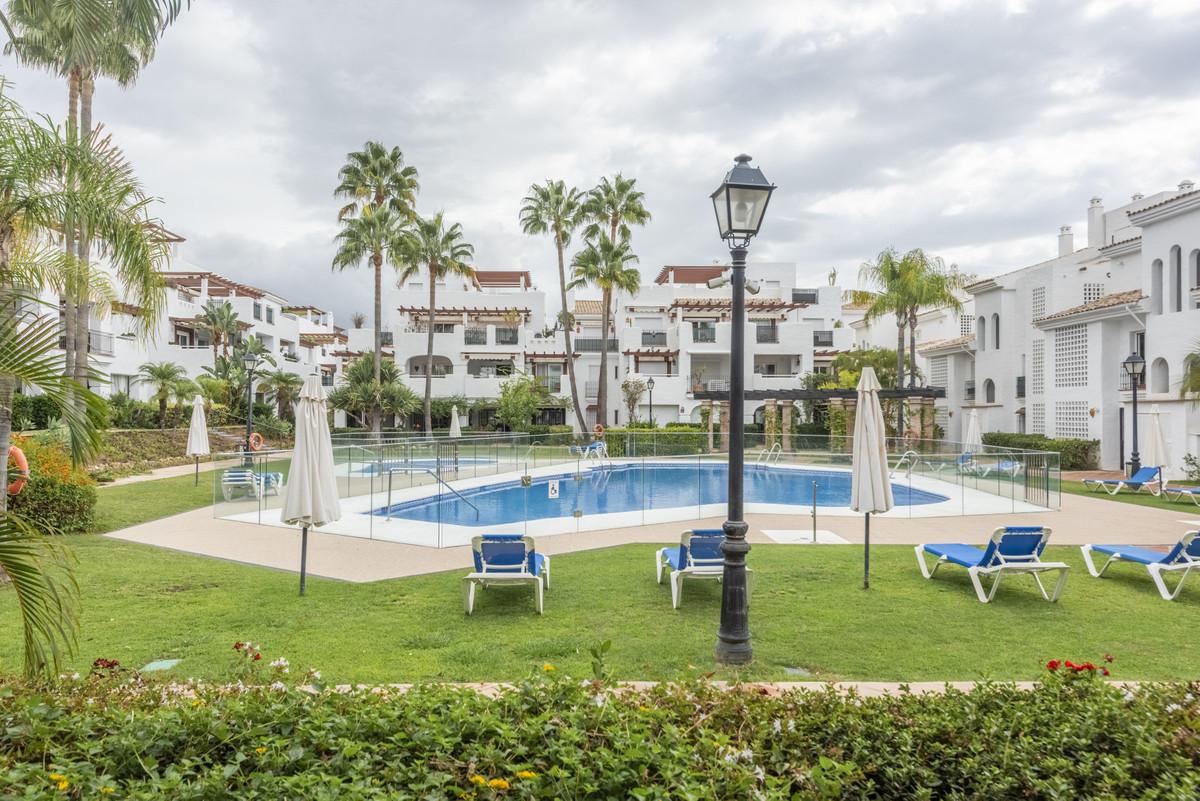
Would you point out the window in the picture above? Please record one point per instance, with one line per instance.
(1092, 292)
(1156, 287)
(989, 391)
(1071, 419)
(270, 315)
(704, 332)
(996, 331)
(443, 328)
(965, 324)
(1038, 302)
(257, 311)
(1037, 419)
(939, 371)
(1137, 343)
(1070, 357)
(1176, 279)
(1160, 376)
(981, 333)
(122, 383)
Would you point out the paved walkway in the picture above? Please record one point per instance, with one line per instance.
(1081, 520)
(169, 472)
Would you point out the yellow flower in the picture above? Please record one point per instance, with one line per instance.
(63, 785)
(547, 667)
(643, 709)
(197, 703)
(477, 779)
(498, 784)
(107, 790)
(526, 774)
(57, 777)
(260, 750)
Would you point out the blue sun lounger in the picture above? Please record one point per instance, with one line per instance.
(593, 450)
(698, 555)
(1142, 479)
(1011, 549)
(1179, 493)
(1006, 467)
(506, 559)
(1183, 557)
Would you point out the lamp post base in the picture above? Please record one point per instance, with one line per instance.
(733, 638)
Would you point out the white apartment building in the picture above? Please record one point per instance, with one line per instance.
(1046, 344)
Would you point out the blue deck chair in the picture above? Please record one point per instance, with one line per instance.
(698, 555)
(1011, 549)
(1147, 478)
(593, 450)
(254, 485)
(506, 559)
(963, 465)
(1179, 493)
(1183, 557)
(1005, 467)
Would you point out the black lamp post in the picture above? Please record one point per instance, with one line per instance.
(250, 361)
(1135, 368)
(650, 386)
(739, 202)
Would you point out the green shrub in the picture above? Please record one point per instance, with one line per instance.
(1069, 737)
(38, 410)
(1074, 454)
(57, 494)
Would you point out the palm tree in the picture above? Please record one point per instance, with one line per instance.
(605, 265)
(220, 320)
(381, 192)
(614, 205)
(934, 287)
(1189, 384)
(167, 380)
(890, 279)
(360, 393)
(104, 38)
(554, 209)
(357, 319)
(436, 251)
(285, 387)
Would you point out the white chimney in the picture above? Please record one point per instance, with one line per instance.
(1186, 185)
(1096, 223)
(1135, 197)
(1066, 241)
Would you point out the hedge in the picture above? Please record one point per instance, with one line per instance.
(1070, 737)
(1074, 454)
(33, 411)
(57, 495)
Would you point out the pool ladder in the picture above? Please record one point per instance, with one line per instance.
(909, 458)
(437, 477)
(769, 457)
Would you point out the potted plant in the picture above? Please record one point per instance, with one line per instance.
(698, 380)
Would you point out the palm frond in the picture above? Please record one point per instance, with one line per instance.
(46, 591)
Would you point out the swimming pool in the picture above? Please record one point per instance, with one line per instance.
(420, 465)
(637, 487)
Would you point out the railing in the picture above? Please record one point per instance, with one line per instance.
(474, 336)
(591, 389)
(653, 339)
(766, 334)
(552, 383)
(595, 345)
(822, 339)
(1127, 382)
(291, 357)
(717, 385)
(386, 338)
(507, 336)
(804, 296)
(969, 390)
(1020, 386)
(704, 334)
(100, 342)
(327, 379)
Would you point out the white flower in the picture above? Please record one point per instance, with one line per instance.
(280, 664)
(791, 725)
(1173, 707)
(776, 726)
(314, 674)
(759, 773)
(278, 685)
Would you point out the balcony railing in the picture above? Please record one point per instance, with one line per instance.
(1127, 382)
(822, 339)
(1020, 386)
(591, 389)
(386, 338)
(552, 383)
(804, 296)
(595, 344)
(506, 336)
(291, 357)
(766, 334)
(475, 336)
(654, 339)
(969, 390)
(327, 379)
(704, 334)
(100, 343)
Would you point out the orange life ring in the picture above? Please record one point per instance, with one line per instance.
(18, 456)
(256, 441)
(598, 430)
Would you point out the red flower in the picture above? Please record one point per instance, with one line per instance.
(257, 657)
(1105, 671)
(1071, 665)
(237, 646)
(1052, 664)
(1108, 657)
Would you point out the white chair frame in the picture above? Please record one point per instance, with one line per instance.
(1031, 564)
(483, 579)
(1156, 571)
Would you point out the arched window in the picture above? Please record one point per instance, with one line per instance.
(981, 333)
(996, 331)
(1176, 279)
(1194, 260)
(1160, 376)
(1156, 287)
(989, 391)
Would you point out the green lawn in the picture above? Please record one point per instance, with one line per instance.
(142, 603)
(1139, 498)
(127, 505)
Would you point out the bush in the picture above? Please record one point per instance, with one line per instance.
(1070, 736)
(37, 410)
(57, 495)
(1074, 454)
(640, 442)
(543, 430)
(684, 427)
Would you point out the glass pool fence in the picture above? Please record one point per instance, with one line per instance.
(439, 492)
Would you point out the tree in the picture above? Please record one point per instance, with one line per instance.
(632, 390)
(167, 381)
(357, 319)
(614, 205)
(285, 388)
(1189, 384)
(933, 287)
(220, 320)
(520, 398)
(552, 208)
(380, 193)
(894, 293)
(435, 251)
(605, 265)
(80, 42)
(359, 392)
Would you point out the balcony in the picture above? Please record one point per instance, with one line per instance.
(595, 345)
(654, 339)
(386, 339)
(805, 296)
(1127, 382)
(766, 334)
(507, 336)
(291, 357)
(100, 343)
(1020, 386)
(704, 334)
(822, 339)
(475, 336)
(552, 383)
(591, 389)
(969, 391)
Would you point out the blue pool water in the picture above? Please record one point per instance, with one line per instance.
(447, 462)
(629, 488)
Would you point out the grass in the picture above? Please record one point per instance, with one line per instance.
(809, 617)
(127, 505)
(1184, 506)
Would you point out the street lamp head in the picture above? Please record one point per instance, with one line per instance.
(650, 384)
(740, 201)
(1135, 365)
(250, 361)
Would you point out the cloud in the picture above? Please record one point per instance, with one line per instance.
(972, 129)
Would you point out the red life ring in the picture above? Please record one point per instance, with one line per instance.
(598, 430)
(17, 455)
(256, 441)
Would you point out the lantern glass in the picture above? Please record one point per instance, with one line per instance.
(250, 361)
(741, 200)
(1135, 365)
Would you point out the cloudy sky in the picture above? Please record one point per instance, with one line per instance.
(972, 129)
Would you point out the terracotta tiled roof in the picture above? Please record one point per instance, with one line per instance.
(957, 342)
(1122, 242)
(752, 304)
(589, 307)
(317, 338)
(689, 275)
(1115, 299)
(486, 278)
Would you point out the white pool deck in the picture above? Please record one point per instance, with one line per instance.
(363, 547)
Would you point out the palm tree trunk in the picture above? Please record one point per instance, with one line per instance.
(6, 396)
(429, 352)
(83, 308)
(68, 305)
(602, 390)
(378, 259)
(912, 347)
(562, 293)
(900, 322)
(162, 412)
